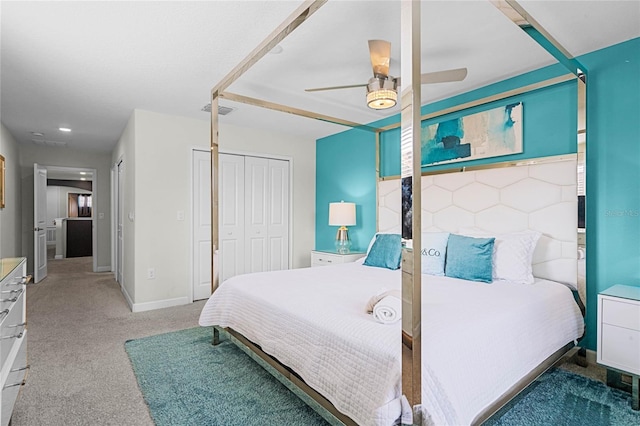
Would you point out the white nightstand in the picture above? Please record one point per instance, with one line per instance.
(324, 258)
(619, 333)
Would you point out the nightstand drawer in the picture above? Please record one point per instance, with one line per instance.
(321, 258)
(620, 348)
(621, 313)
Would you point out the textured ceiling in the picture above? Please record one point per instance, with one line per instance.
(87, 65)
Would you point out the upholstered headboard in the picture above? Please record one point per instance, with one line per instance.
(540, 197)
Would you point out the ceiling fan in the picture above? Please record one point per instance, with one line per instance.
(382, 89)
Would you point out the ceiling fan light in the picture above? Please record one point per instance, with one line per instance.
(382, 98)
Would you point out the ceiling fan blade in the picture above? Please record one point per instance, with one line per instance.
(318, 89)
(380, 53)
(458, 74)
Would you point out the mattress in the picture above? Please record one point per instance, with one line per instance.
(478, 339)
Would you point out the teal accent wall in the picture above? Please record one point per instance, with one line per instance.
(613, 161)
(613, 173)
(346, 171)
(554, 106)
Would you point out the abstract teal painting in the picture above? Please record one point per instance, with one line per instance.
(485, 134)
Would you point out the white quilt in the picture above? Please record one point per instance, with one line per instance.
(478, 339)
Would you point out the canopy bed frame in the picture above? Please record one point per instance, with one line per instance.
(410, 124)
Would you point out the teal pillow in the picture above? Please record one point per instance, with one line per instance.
(469, 258)
(385, 252)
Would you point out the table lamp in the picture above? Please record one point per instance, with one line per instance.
(342, 214)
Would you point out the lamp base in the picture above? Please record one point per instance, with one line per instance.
(343, 244)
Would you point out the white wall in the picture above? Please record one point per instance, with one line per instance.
(10, 216)
(162, 149)
(66, 157)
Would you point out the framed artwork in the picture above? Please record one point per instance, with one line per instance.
(491, 133)
(2, 189)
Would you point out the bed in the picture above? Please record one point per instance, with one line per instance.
(313, 320)
(481, 342)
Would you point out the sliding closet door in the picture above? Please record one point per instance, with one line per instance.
(231, 215)
(278, 217)
(256, 172)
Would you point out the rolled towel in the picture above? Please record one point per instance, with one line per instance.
(388, 310)
(381, 295)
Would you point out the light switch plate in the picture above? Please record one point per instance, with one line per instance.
(180, 214)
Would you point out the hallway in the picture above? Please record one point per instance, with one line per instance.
(80, 374)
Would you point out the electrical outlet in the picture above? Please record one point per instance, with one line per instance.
(151, 273)
(180, 215)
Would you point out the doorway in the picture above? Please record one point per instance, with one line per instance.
(54, 209)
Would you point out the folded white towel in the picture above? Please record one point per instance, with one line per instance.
(381, 295)
(388, 310)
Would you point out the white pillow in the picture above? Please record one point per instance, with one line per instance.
(433, 253)
(512, 254)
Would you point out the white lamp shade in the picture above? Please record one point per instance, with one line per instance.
(342, 214)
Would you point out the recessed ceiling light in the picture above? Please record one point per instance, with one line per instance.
(64, 129)
(83, 173)
(83, 178)
(276, 50)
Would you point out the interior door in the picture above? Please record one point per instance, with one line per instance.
(231, 215)
(278, 215)
(256, 206)
(39, 222)
(201, 169)
(119, 222)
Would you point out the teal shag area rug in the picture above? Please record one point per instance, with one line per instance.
(187, 381)
(561, 398)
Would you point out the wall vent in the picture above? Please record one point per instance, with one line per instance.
(222, 110)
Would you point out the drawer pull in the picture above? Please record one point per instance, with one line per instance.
(15, 370)
(20, 290)
(14, 298)
(13, 336)
(4, 313)
(24, 324)
(22, 383)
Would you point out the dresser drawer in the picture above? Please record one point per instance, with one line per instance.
(15, 380)
(620, 348)
(621, 313)
(11, 327)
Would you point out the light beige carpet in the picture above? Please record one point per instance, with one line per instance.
(80, 374)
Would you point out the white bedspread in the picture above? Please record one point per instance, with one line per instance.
(478, 339)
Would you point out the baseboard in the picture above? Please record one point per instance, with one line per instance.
(58, 256)
(127, 298)
(591, 356)
(159, 304)
(103, 269)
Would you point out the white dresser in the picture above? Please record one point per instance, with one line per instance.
(619, 332)
(324, 258)
(13, 333)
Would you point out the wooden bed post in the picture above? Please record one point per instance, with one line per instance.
(411, 197)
